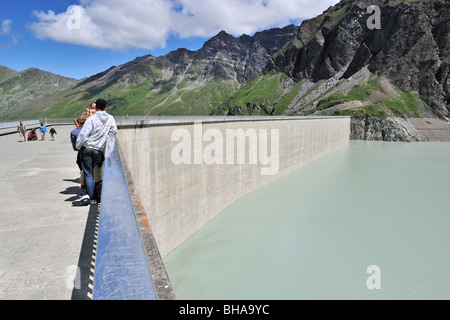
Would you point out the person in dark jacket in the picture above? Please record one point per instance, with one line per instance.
(52, 133)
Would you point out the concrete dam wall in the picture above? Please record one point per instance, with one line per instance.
(188, 170)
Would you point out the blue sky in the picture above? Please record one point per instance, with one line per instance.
(79, 38)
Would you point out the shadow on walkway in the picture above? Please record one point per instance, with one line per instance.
(84, 280)
(75, 191)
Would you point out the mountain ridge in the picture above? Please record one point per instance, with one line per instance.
(335, 61)
(412, 48)
(17, 89)
(180, 82)
(332, 64)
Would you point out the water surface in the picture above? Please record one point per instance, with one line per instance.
(313, 233)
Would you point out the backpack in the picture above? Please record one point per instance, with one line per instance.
(74, 136)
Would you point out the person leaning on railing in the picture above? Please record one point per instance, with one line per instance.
(95, 142)
(97, 169)
(86, 114)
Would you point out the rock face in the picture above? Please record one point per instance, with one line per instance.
(384, 77)
(400, 129)
(385, 129)
(412, 48)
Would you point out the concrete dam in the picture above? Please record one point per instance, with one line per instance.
(169, 177)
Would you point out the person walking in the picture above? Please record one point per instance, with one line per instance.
(95, 141)
(43, 131)
(22, 130)
(52, 133)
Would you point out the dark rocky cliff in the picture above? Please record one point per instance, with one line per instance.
(412, 48)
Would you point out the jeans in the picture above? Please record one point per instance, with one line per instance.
(90, 158)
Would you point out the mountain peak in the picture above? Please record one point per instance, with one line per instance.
(219, 41)
(223, 34)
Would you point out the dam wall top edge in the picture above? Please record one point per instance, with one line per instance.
(123, 123)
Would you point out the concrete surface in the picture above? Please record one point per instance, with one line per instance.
(161, 280)
(45, 244)
(433, 129)
(181, 199)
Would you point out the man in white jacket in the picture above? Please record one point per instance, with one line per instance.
(95, 142)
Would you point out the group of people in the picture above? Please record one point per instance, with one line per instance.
(94, 140)
(32, 136)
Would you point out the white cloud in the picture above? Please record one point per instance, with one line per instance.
(206, 17)
(113, 24)
(6, 30)
(146, 24)
(6, 27)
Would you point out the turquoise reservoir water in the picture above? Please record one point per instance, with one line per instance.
(314, 233)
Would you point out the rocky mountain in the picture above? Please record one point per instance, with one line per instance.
(392, 79)
(337, 65)
(182, 82)
(6, 73)
(20, 90)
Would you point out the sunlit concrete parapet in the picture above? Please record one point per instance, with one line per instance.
(189, 169)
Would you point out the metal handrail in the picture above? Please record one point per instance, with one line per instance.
(122, 271)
